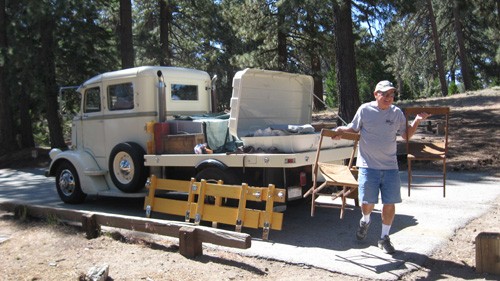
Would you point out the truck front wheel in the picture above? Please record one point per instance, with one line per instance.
(68, 184)
(126, 167)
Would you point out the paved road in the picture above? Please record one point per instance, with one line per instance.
(423, 222)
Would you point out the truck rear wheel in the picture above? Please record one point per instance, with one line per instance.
(68, 184)
(212, 175)
(126, 167)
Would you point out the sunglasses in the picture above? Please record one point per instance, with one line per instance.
(387, 94)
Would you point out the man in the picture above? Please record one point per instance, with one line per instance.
(378, 123)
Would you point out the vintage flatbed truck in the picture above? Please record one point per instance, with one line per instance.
(126, 132)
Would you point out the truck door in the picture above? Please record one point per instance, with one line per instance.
(93, 124)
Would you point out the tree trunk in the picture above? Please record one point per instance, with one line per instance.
(126, 43)
(437, 50)
(282, 53)
(26, 128)
(315, 62)
(165, 21)
(345, 65)
(400, 86)
(462, 52)
(318, 81)
(47, 64)
(7, 138)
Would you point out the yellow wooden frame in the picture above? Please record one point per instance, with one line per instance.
(217, 213)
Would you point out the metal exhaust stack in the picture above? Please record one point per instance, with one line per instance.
(214, 100)
(162, 104)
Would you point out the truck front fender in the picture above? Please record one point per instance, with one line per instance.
(91, 176)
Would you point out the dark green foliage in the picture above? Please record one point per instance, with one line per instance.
(83, 47)
(452, 88)
(331, 99)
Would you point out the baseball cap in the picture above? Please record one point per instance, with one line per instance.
(384, 86)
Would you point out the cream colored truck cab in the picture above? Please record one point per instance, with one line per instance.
(108, 140)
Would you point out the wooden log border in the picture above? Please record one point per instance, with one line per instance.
(190, 236)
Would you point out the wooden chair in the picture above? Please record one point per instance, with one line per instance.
(340, 177)
(433, 147)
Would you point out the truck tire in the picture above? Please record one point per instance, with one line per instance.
(126, 167)
(212, 175)
(68, 184)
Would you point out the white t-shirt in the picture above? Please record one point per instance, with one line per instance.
(378, 129)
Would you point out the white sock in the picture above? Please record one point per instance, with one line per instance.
(385, 230)
(366, 218)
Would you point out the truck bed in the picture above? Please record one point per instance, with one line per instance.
(264, 160)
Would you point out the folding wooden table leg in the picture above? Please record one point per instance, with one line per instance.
(217, 202)
(409, 177)
(201, 202)
(444, 177)
(192, 189)
(241, 206)
(153, 183)
(269, 212)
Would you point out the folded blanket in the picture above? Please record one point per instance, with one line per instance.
(215, 131)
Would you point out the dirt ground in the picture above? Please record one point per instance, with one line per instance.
(47, 250)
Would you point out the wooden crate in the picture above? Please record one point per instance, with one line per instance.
(181, 144)
(488, 252)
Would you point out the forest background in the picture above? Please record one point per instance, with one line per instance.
(427, 47)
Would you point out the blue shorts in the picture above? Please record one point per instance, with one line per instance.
(372, 181)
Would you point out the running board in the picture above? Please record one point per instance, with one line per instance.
(95, 173)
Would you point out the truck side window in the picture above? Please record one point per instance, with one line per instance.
(92, 100)
(121, 96)
(184, 92)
